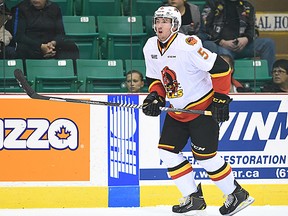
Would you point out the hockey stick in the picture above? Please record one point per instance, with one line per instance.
(34, 95)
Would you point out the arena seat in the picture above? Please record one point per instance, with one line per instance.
(67, 7)
(82, 30)
(141, 7)
(253, 73)
(51, 75)
(8, 82)
(135, 64)
(122, 37)
(100, 75)
(101, 8)
(12, 3)
(148, 26)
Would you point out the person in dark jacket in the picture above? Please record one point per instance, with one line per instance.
(40, 32)
(229, 26)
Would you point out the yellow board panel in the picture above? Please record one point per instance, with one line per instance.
(265, 194)
(53, 197)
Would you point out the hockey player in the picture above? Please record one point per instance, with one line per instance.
(180, 70)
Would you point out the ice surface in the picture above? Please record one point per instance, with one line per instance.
(143, 211)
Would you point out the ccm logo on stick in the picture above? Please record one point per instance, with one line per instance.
(38, 134)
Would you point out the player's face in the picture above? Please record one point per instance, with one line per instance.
(163, 28)
(134, 82)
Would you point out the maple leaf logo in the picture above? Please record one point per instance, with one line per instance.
(63, 133)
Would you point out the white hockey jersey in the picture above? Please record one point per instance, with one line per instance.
(182, 68)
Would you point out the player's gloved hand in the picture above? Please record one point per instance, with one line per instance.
(152, 103)
(220, 107)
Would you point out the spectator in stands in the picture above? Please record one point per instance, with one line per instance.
(134, 81)
(6, 51)
(236, 86)
(40, 32)
(190, 16)
(279, 81)
(229, 27)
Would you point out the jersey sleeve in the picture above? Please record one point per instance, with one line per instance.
(202, 58)
(206, 60)
(221, 76)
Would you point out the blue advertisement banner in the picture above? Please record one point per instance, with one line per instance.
(123, 152)
(252, 124)
(248, 120)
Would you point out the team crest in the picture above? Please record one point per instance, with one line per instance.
(191, 41)
(170, 83)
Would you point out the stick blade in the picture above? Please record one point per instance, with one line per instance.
(19, 76)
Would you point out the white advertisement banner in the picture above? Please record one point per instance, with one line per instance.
(272, 21)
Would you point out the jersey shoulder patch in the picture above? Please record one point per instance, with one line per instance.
(191, 40)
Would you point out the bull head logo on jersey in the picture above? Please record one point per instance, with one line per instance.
(170, 82)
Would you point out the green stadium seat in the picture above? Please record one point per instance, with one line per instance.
(11, 3)
(254, 73)
(78, 7)
(148, 26)
(67, 6)
(51, 75)
(82, 30)
(122, 37)
(104, 85)
(100, 76)
(8, 82)
(141, 7)
(135, 64)
(101, 8)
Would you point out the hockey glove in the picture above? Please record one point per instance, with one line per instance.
(220, 107)
(152, 103)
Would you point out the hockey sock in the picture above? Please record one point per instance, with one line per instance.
(220, 173)
(180, 170)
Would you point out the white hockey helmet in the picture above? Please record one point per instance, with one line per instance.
(168, 12)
